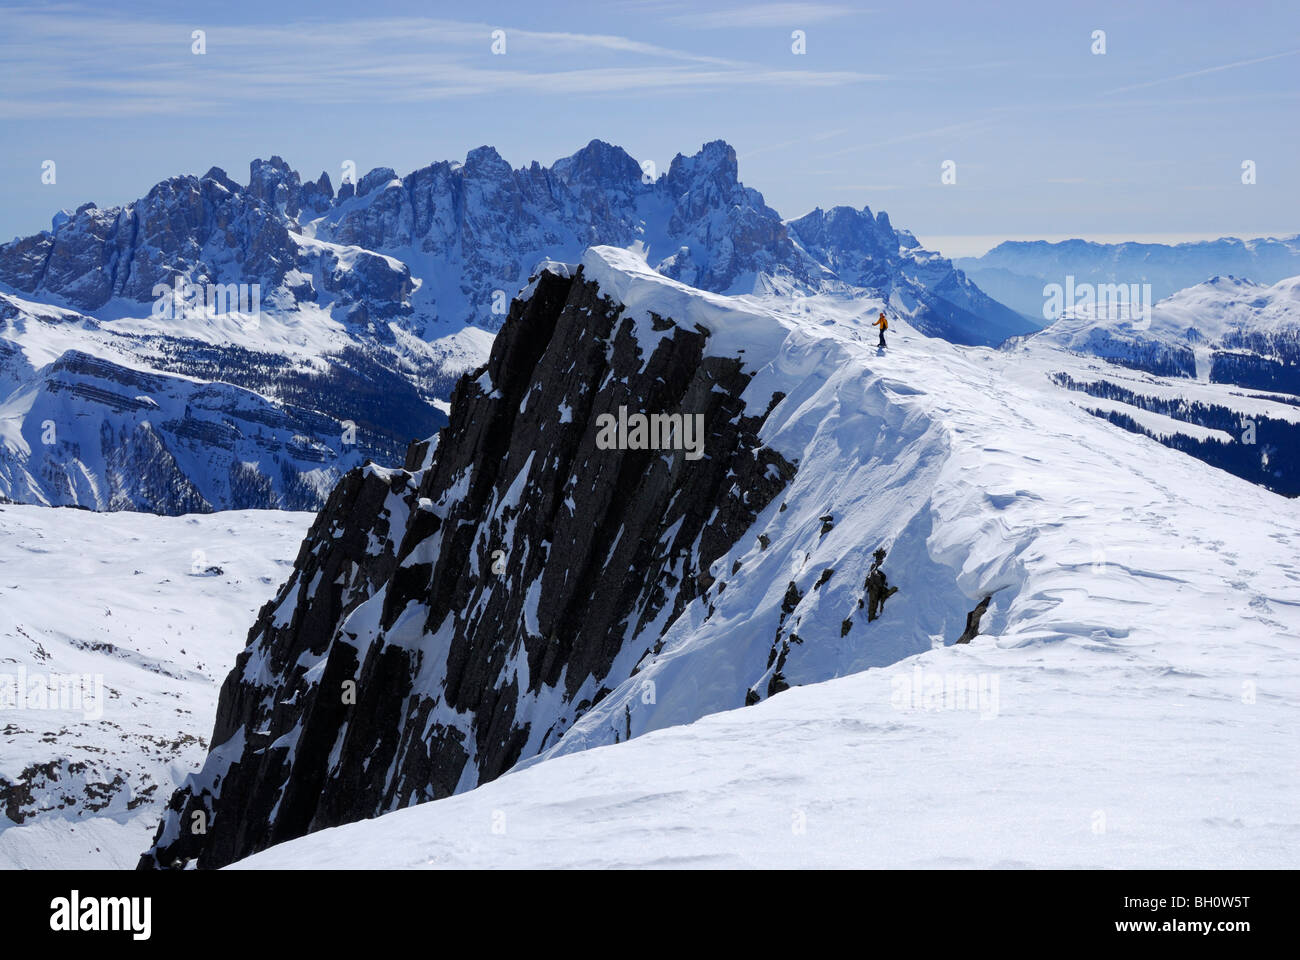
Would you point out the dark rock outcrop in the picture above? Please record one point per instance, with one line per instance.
(447, 619)
(973, 621)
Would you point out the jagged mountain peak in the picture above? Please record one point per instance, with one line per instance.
(598, 162)
(377, 177)
(275, 183)
(848, 225)
(412, 272)
(485, 161)
(519, 468)
(487, 222)
(525, 591)
(715, 160)
(218, 175)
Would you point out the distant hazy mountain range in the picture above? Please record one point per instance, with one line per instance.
(1015, 272)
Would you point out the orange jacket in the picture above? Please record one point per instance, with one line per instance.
(882, 323)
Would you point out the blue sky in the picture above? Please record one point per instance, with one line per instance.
(1048, 139)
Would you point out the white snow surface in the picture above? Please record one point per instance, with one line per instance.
(129, 597)
(1129, 700)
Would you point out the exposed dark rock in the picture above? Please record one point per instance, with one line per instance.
(877, 587)
(777, 684)
(433, 610)
(973, 621)
(790, 600)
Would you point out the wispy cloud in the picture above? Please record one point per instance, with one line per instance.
(68, 62)
(1201, 73)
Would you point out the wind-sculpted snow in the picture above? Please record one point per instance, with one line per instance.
(1125, 700)
(872, 459)
(524, 589)
(446, 619)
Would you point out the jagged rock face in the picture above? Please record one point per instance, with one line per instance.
(446, 620)
(393, 269)
(23, 261)
(479, 227)
(108, 436)
(368, 277)
(204, 230)
(856, 245)
(275, 184)
(488, 225)
(603, 178)
(748, 238)
(81, 258)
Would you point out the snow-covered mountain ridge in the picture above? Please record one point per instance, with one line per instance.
(516, 594)
(358, 310)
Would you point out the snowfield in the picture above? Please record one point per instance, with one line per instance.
(157, 607)
(1129, 700)
(1068, 774)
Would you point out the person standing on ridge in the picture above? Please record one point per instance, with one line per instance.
(883, 324)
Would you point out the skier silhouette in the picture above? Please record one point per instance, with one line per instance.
(883, 324)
